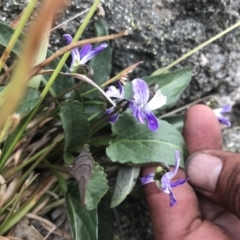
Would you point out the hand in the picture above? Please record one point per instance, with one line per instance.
(208, 205)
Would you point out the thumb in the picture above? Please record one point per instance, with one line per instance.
(216, 175)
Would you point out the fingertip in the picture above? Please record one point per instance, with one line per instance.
(202, 130)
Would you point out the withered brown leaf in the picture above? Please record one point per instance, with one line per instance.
(81, 170)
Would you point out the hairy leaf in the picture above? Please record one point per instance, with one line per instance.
(61, 83)
(172, 84)
(135, 143)
(81, 170)
(76, 128)
(84, 223)
(97, 187)
(29, 101)
(126, 179)
(5, 36)
(176, 121)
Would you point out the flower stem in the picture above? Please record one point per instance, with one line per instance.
(66, 55)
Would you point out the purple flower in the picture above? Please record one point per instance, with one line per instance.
(219, 114)
(165, 183)
(113, 92)
(83, 55)
(141, 108)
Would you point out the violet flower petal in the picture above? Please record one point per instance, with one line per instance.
(147, 178)
(140, 115)
(173, 200)
(120, 87)
(152, 121)
(219, 114)
(93, 52)
(140, 91)
(226, 108)
(157, 101)
(178, 182)
(114, 92)
(74, 52)
(67, 38)
(224, 120)
(85, 50)
(113, 118)
(169, 175)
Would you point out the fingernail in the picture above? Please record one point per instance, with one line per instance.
(203, 171)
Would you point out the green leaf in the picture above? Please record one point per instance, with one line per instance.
(97, 187)
(171, 84)
(135, 143)
(101, 63)
(5, 36)
(76, 128)
(105, 219)
(126, 179)
(61, 83)
(83, 222)
(29, 101)
(176, 121)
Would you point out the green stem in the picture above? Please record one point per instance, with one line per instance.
(49, 84)
(159, 71)
(17, 32)
(26, 207)
(66, 55)
(35, 164)
(12, 171)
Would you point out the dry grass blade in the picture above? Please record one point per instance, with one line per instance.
(69, 47)
(50, 226)
(10, 97)
(3, 189)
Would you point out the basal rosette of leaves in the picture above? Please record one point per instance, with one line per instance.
(79, 133)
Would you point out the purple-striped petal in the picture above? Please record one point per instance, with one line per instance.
(113, 118)
(152, 121)
(140, 91)
(85, 50)
(169, 175)
(224, 120)
(173, 200)
(67, 38)
(147, 178)
(120, 87)
(178, 182)
(157, 101)
(74, 53)
(226, 108)
(219, 114)
(93, 52)
(113, 92)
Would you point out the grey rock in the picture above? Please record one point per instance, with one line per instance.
(160, 32)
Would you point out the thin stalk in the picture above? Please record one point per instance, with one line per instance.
(95, 115)
(49, 84)
(26, 185)
(26, 207)
(159, 71)
(184, 107)
(24, 18)
(12, 171)
(66, 55)
(35, 164)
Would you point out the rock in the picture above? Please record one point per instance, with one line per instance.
(160, 32)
